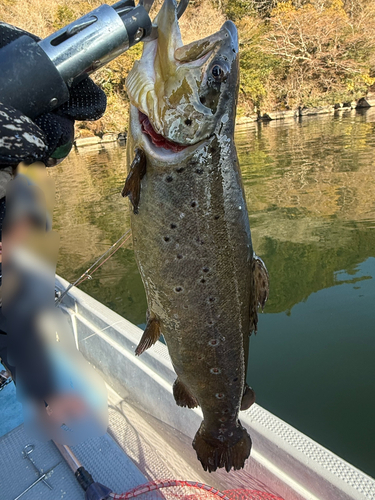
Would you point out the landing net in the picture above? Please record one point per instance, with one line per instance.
(189, 490)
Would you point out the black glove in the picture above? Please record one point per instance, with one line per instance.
(50, 135)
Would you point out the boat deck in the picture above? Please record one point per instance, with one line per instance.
(136, 449)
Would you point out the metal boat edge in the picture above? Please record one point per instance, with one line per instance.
(282, 458)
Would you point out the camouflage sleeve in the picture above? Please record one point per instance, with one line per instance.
(50, 136)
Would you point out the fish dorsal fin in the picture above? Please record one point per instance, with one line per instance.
(198, 49)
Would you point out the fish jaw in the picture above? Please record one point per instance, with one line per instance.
(185, 90)
(160, 155)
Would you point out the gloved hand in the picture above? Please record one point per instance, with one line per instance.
(50, 136)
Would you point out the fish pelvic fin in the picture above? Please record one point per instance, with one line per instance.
(150, 336)
(132, 186)
(260, 290)
(248, 398)
(183, 396)
(227, 452)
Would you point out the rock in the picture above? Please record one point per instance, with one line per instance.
(316, 111)
(110, 137)
(122, 136)
(367, 102)
(246, 119)
(281, 115)
(86, 141)
(344, 105)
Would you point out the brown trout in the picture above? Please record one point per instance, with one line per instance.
(191, 228)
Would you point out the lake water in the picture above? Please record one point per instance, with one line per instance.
(310, 189)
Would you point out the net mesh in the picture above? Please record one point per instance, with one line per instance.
(187, 490)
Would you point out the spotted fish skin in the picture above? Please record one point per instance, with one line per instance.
(193, 247)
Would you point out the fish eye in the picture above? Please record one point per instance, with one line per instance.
(218, 73)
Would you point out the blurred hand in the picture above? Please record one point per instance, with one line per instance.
(65, 407)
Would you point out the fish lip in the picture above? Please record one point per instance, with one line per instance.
(173, 146)
(158, 152)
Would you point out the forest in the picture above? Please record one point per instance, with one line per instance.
(293, 53)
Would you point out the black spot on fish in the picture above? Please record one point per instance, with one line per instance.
(173, 226)
(217, 217)
(211, 299)
(169, 179)
(205, 269)
(178, 289)
(202, 99)
(235, 379)
(199, 171)
(188, 122)
(203, 280)
(193, 204)
(180, 170)
(166, 238)
(179, 256)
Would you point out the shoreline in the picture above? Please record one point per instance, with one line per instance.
(266, 116)
(362, 103)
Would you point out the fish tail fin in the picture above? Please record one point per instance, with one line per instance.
(230, 453)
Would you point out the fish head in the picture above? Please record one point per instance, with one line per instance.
(185, 93)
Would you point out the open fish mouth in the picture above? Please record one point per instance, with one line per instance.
(182, 91)
(157, 139)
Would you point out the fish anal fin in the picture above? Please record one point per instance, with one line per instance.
(259, 290)
(132, 186)
(248, 398)
(150, 335)
(183, 396)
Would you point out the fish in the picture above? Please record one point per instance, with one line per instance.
(190, 227)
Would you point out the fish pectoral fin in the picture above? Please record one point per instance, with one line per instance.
(132, 186)
(260, 290)
(248, 398)
(183, 396)
(150, 336)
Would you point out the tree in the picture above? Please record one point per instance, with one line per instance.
(322, 49)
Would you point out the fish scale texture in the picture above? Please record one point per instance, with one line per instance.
(102, 457)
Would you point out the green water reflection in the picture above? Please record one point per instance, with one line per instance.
(310, 189)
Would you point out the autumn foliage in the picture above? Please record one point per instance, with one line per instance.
(325, 52)
(293, 53)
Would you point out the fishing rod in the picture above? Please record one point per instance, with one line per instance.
(36, 76)
(88, 274)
